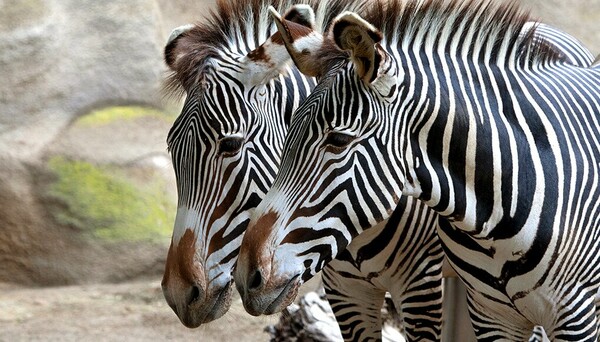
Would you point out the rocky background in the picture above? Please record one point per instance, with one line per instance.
(86, 187)
(87, 193)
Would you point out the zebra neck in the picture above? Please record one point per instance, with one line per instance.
(471, 153)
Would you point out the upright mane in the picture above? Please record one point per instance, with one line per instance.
(499, 33)
(238, 26)
(502, 29)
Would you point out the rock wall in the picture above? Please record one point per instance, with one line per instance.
(60, 59)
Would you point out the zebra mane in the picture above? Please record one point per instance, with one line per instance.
(502, 29)
(238, 26)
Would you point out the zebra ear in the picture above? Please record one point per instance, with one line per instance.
(297, 33)
(373, 65)
(300, 14)
(352, 33)
(172, 49)
(265, 62)
(269, 60)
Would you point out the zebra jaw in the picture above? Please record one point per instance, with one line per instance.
(268, 300)
(193, 297)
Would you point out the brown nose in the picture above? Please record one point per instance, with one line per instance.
(183, 282)
(180, 296)
(254, 261)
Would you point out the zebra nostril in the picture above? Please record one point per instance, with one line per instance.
(255, 280)
(194, 294)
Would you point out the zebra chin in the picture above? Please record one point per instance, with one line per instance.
(271, 299)
(203, 309)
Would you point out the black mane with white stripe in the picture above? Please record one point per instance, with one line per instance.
(503, 30)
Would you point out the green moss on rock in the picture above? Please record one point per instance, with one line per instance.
(101, 201)
(110, 114)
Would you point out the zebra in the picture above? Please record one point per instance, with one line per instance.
(366, 270)
(180, 54)
(357, 283)
(452, 104)
(225, 146)
(176, 275)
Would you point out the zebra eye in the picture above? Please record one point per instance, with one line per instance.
(338, 140)
(230, 146)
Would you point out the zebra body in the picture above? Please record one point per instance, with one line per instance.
(383, 259)
(496, 134)
(379, 259)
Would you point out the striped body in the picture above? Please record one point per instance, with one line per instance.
(497, 135)
(382, 258)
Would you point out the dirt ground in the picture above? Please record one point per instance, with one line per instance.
(116, 312)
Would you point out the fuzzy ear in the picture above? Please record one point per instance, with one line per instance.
(351, 32)
(300, 14)
(297, 33)
(172, 52)
(269, 59)
(264, 63)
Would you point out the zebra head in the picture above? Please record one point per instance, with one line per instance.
(337, 160)
(225, 147)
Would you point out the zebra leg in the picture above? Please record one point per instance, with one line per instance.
(491, 325)
(356, 303)
(420, 306)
